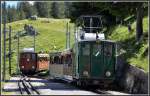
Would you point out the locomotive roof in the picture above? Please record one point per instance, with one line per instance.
(89, 36)
(28, 52)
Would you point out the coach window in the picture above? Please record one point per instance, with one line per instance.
(56, 59)
(64, 60)
(61, 60)
(52, 60)
(44, 58)
(69, 59)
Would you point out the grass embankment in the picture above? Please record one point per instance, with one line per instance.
(135, 54)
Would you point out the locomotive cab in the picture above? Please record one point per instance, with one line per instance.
(28, 61)
(95, 62)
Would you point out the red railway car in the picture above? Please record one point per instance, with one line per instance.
(28, 62)
(31, 62)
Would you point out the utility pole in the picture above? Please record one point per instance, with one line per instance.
(67, 35)
(4, 32)
(18, 53)
(0, 46)
(34, 39)
(10, 50)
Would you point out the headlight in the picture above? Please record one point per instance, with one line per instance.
(85, 73)
(108, 73)
(22, 67)
(33, 67)
(28, 59)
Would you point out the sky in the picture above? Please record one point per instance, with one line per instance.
(14, 3)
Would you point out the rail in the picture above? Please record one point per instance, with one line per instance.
(25, 86)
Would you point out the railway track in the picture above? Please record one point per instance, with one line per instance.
(113, 90)
(26, 87)
(92, 89)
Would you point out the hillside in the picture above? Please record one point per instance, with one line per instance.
(135, 54)
(51, 36)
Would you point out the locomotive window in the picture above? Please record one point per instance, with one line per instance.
(33, 57)
(96, 50)
(108, 50)
(24, 56)
(28, 55)
(86, 22)
(95, 22)
(86, 49)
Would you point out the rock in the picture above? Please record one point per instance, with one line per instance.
(134, 80)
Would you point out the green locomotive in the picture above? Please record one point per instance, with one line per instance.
(94, 62)
(94, 58)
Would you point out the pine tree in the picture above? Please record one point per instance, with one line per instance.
(21, 13)
(27, 8)
(68, 7)
(12, 14)
(54, 10)
(58, 10)
(9, 14)
(43, 9)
